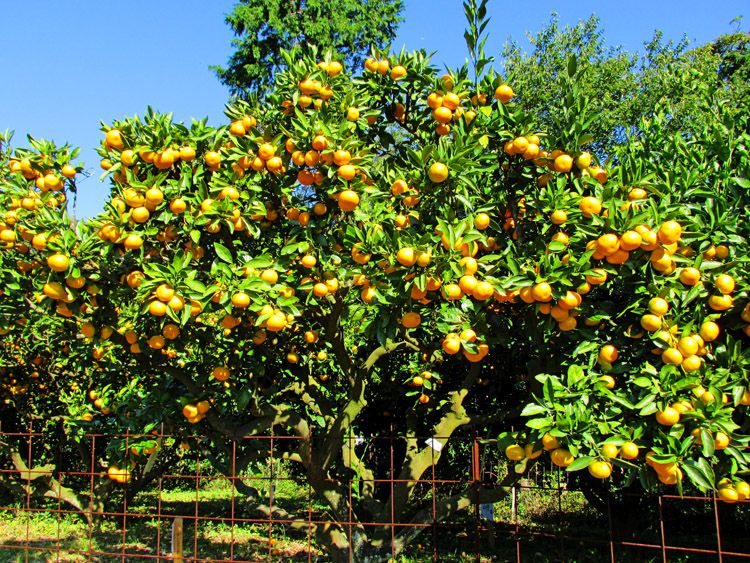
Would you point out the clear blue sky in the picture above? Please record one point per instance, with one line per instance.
(68, 64)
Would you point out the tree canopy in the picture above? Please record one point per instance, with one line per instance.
(623, 87)
(265, 27)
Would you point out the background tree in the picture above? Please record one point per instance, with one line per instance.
(264, 28)
(623, 87)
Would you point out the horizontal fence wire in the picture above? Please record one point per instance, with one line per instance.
(57, 504)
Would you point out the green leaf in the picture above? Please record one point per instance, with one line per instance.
(223, 252)
(533, 409)
(539, 423)
(699, 478)
(580, 463)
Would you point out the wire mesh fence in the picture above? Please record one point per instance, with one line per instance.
(179, 501)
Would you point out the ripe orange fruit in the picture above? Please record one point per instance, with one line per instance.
(240, 300)
(598, 276)
(157, 308)
(348, 200)
(549, 442)
(451, 344)
(720, 302)
(164, 292)
(724, 283)
(630, 240)
(651, 323)
(728, 495)
(600, 469)
(570, 300)
(187, 154)
(608, 244)
(177, 303)
(156, 342)
(668, 417)
(467, 283)
(352, 114)
(368, 294)
(542, 292)
(438, 172)
(213, 159)
(691, 363)
(237, 128)
(690, 276)
(451, 100)
(658, 306)
(334, 68)
(709, 331)
(411, 320)
(113, 138)
(583, 160)
(178, 206)
(672, 356)
(58, 262)
(563, 163)
(406, 256)
(483, 291)
(320, 289)
(514, 452)
(687, 346)
(590, 206)
(629, 450)
(558, 217)
(359, 256)
(347, 172)
(481, 221)
(308, 261)
(722, 251)
(469, 265)
(561, 457)
(171, 331)
(140, 214)
(276, 322)
(442, 115)
(608, 353)
(721, 441)
(504, 93)
(452, 292)
(669, 232)
(68, 171)
(220, 373)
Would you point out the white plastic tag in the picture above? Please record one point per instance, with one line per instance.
(434, 444)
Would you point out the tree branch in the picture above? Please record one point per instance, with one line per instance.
(334, 333)
(474, 494)
(417, 461)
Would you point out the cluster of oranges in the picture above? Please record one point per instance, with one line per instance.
(194, 413)
(447, 107)
(311, 163)
(455, 342)
(528, 147)
(600, 468)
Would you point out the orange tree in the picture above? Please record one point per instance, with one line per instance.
(398, 252)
